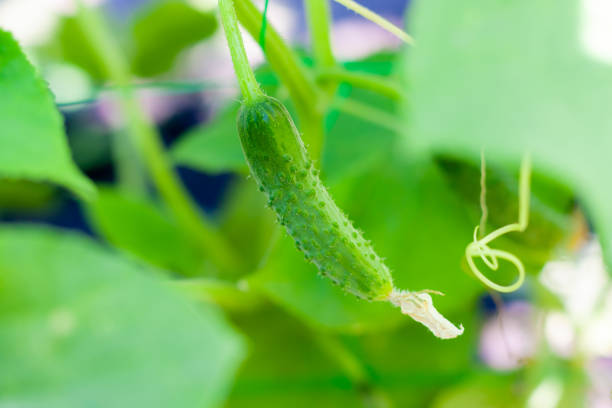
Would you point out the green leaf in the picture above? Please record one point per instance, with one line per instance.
(513, 77)
(353, 142)
(288, 367)
(72, 45)
(245, 210)
(165, 29)
(483, 392)
(32, 140)
(213, 147)
(138, 226)
(82, 327)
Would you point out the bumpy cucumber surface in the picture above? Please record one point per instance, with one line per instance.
(279, 163)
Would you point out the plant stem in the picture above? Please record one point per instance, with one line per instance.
(303, 90)
(319, 20)
(246, 78)
(228, 295)
(368, 112)
(148, 141)
(362, 80)
(352, 367)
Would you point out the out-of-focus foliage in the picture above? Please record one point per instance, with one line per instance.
(141, 228)
(111, 320)
(33, 144)
(153, 38)
(80, 326)
(487, 392)
(213, 148)
(162, 31)
(73, 47)
(514, 77)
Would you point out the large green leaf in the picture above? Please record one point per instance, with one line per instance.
(141, 228)
(165, 29)
(32, 140)
(515, 76)
(82, 327)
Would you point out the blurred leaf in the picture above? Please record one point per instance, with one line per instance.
(214, 147)
(513, 77)
(80, 326)
(164, 30)
(290, 365)
(141, 228)
(410, 356)
(485, 392)
(353, 143)
(247, 222)
(286, 367)
(25, 196)
(32, 142)
(412, 366)
(72, 45)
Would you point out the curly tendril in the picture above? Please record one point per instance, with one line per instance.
(490, 256)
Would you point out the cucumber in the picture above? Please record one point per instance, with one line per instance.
(280, 164)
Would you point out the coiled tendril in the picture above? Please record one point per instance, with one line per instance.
(491, 256)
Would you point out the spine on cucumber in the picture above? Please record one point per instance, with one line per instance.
(279, 163)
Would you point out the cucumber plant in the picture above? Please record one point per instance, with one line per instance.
(279, 162)
(160, 293)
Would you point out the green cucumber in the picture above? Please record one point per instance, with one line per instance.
(280, 164)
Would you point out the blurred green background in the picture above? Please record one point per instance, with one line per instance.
(107, 298)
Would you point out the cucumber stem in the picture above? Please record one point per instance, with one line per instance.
(319, 20)
(246, 78)
(305, 95)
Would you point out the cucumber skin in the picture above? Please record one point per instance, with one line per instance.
(279, 163)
